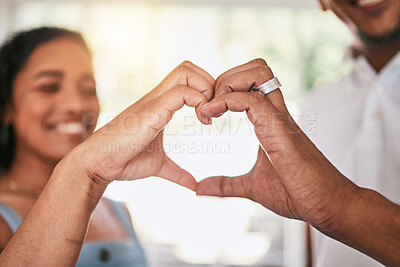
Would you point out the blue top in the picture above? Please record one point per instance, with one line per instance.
(113, 253)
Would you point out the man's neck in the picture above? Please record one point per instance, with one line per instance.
(378, 55)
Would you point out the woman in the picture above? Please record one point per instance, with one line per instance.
(49, 108)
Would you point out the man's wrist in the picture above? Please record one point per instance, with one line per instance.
(335, 206)
(371, 225)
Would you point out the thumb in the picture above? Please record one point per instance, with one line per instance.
(223, 186)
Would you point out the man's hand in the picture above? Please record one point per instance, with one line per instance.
(291, 176)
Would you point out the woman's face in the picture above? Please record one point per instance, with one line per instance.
(54, 103)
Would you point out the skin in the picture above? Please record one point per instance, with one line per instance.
(80, 178)
(377, 23)
(381, 24)
(56, 86)
(282, 143)
(292, 177)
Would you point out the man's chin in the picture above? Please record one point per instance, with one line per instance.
(381, 39)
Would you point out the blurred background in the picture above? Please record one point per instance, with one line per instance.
(135, 43)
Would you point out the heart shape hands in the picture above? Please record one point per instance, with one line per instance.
(283, 178)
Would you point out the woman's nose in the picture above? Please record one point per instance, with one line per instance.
(72, 101)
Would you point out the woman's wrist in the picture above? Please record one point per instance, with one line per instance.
(73, 169)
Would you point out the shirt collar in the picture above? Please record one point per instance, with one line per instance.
(394, 62)
(366, 73)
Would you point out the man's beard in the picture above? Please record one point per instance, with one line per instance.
(380, 40)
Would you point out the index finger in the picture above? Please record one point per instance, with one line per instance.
(194, 77)
(243, 78)
(202, 72)
(249, 65)
(186, 74)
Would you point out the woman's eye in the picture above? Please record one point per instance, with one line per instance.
(50, 88)
(91, 91)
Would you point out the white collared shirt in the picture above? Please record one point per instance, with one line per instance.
(356, 124)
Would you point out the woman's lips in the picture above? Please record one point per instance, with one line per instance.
(72, 128)
(69, 128)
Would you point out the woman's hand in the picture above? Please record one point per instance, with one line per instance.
(291, 176)
(131, 145)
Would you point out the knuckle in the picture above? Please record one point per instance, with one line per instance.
(219, 79)
(264, 73)
(186, 63)
(174, 92)
(259, 62)
(223, 85)
(226, 187)
(180, 88)
(218, 82)
(226, 87)
(256, 98)
(183, 68)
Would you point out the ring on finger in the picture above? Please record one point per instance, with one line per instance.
(267, 87)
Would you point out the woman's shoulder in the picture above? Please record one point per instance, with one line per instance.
(11, 211)
(5, 233)
(13, 208)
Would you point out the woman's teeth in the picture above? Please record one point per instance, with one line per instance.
(369, 3)
(70, 128)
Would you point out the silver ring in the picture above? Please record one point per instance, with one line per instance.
(268, 86)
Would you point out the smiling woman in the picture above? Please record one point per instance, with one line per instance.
(50, 94)
(56, 177)
(47, 79)
(48, 107)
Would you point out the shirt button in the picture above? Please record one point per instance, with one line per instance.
(375, 114)
(104, 254)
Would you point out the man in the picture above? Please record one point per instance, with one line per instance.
(357, 126)
(357, 117)
(292, 178)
